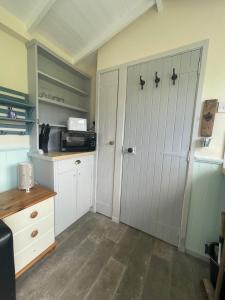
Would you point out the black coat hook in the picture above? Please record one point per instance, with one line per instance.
(142, 82)
(157, 79)
(174, 76)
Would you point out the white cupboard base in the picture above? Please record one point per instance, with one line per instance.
(72, 180)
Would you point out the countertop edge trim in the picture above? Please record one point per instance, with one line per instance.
(18, 209)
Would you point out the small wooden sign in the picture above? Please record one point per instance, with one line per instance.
(208, 116)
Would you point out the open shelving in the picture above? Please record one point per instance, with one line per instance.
(17, 120)
(19, 103)
(61, 83)
(53, 102)
(55, 125)
(57, 90)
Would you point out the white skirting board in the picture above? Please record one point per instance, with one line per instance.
(104, 208)
(197, 255)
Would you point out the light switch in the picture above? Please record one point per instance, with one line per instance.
(221, 107)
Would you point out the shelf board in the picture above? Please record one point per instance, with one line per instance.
(61, 83)
(4, 101)
(53, 125)
(17, 120)
(46, 100)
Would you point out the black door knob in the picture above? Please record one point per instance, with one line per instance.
(130, 150)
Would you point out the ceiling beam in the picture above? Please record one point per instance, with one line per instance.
(113, 30)
(9, 23)
(38, 14)
(159, 5)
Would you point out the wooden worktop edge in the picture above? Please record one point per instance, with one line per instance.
(61, 156)
(13, 211)
(23, 204)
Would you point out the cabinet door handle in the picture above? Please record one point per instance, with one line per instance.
(34, 233)
(34, 214)
(77, 162)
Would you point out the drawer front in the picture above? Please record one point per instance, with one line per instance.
(30, 234)
(31, 252)
(72, 164)
(30, 215)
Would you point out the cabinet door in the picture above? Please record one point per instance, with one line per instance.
(65, 201)
(84, 185)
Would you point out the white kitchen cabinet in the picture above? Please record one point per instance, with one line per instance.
(72, 180)
(65, 210)
(84, 185)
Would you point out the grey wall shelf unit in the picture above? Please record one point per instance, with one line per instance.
(19, 102)
(57, 90)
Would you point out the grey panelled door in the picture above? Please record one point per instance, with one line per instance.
(158, 126)
(108, 93)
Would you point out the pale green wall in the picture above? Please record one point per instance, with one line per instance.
(207, 201)
(8, 167)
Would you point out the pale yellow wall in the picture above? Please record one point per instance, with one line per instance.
(13, 74)
(180, 23)
(89, 65)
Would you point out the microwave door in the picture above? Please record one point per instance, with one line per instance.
(76, 142)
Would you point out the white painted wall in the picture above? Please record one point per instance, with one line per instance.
(180, 23)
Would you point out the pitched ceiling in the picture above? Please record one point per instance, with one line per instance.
(77, 27)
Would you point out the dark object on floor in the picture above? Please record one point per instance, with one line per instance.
(7, 269)
(217, 270)
(214, 267)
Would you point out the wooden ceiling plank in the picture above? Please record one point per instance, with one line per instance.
(107, 35)
(39, 14)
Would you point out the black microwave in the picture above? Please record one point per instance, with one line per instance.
(77, 141)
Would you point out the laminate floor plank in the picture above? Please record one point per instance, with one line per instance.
(97, 259)
(79, 285)
(157, 283)
(132, 283)
(107, 282)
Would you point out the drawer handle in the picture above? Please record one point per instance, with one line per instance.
(34, 214)
(77, 162)
(34, 233)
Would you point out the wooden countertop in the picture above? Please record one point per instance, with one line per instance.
(54, 156)
(15, 200)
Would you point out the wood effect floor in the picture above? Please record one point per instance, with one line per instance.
(97, 259)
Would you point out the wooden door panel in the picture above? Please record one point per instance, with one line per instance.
(108, 92)
(159, 124)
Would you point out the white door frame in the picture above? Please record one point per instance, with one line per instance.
(203, 45)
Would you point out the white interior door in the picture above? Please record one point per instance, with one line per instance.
(108, 93)
(158, 128)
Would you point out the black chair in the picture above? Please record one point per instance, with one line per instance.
(7, 268)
